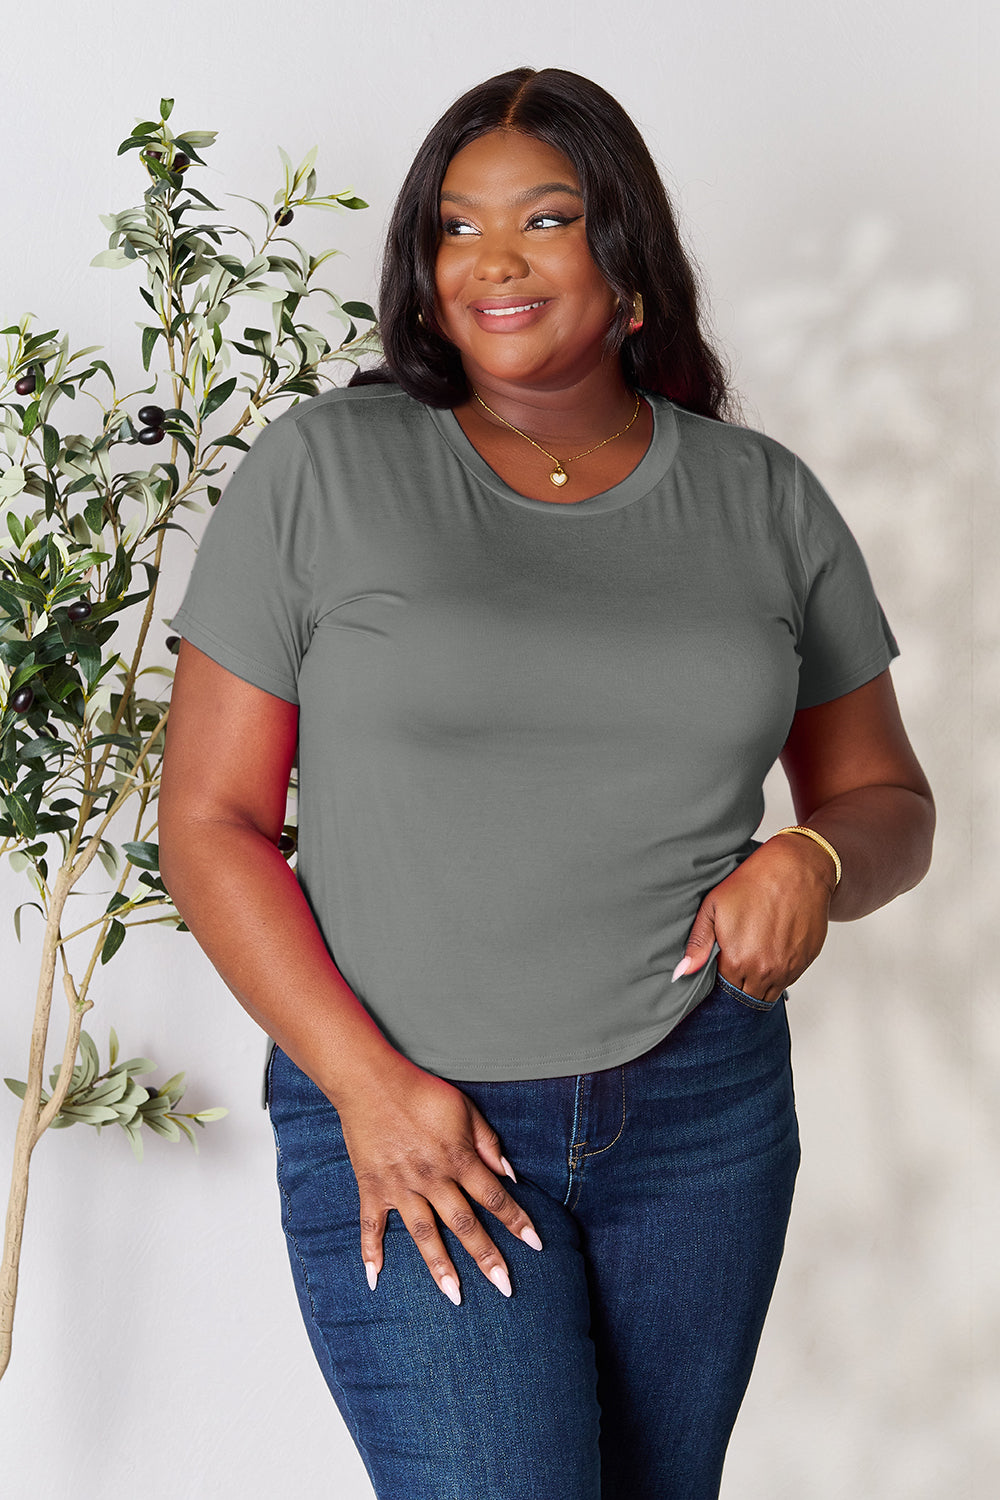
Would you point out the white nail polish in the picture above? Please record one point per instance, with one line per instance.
(500, 1279)
(508, 1168)
(371, 1273)
(450, 1288)
(530, 1237)
(681, 968)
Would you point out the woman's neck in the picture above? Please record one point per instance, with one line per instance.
(569, 415)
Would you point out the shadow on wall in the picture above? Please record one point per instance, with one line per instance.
(874, 374)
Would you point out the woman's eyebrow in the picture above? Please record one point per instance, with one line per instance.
(528, 196)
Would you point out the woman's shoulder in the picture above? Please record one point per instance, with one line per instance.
(375, 409)
(712, 440)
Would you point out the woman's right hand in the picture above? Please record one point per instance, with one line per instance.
(419, 1145)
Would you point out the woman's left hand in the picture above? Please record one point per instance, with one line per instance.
(769, 917)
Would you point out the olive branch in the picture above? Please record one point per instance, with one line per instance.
(82, 725)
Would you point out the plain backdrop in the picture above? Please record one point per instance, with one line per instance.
(835, 168)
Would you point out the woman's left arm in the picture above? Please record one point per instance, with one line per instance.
(854, 779)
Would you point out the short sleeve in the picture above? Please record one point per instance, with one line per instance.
(248, 601)
(845, 639)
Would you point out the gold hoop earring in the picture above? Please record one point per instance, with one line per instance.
(636, 320)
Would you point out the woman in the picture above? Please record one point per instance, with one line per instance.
(536, 622)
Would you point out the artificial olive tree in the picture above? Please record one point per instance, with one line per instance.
(85, 521)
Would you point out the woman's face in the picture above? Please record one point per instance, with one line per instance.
(518, 292)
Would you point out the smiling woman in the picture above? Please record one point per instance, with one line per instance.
(536, 622)
(519, 295)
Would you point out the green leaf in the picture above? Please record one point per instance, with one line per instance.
(163, 1125)
(89, 1059)
(149, 337)
(93, 512)
(24, 817)
(133, 1129)
(359, 310)
(204, 1115)
(17, 915)
(50, 446)
(173, 1089)
(186, 1128)
(107, 1090)
(139, 1065)
(15, 1085)
(10, 602)
(175, 478)
(114, 259)
(88, 654)
(124, 741)
(263, 292)
(113, 941)
(216, 396)
(145, 855)
(113, 1046)
(166, 105)
(89, 1114)
(353, 202)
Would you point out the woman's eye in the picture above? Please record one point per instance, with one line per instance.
(457, 226)
(546, 221)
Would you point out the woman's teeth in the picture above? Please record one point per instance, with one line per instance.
(508, 312)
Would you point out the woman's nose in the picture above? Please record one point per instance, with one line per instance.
(499, 260)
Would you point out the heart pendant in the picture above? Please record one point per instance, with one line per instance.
(559, 477)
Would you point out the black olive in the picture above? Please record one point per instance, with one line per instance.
(284, 216)
(173, 644)
(150, 416)
(22, 700)
(80, 610)
(26, 384)
(181, 162)
(286, 843)
(149, 435)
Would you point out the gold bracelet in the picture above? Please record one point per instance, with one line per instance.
(818, 838)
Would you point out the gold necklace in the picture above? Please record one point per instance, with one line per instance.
(559, 475)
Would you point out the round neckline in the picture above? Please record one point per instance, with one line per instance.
(647, 473)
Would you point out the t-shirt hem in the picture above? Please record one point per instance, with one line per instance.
(560, 1065)
(234, 661)
(841, 685)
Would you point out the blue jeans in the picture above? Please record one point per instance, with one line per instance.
(661, 1190)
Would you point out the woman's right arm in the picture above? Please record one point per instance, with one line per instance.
(416, 1142)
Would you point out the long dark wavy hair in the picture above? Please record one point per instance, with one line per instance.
(631, 231)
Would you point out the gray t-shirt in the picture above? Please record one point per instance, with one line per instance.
(532, 734)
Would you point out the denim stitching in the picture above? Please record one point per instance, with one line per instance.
(620, 1128)
(290, 1235)
(750, 1001)
(573, 1158)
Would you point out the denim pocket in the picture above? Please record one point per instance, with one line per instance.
(750, 1001)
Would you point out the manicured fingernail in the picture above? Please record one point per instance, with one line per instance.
(450, 1288)
(508, 1168)
(371, 1273)
(499, 1278)
(681, 968)
(530, 1237)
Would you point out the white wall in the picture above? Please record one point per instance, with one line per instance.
(836, 170)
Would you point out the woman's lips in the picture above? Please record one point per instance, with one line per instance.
(508, 316)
